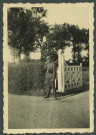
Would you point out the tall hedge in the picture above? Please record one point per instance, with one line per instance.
(26, 77)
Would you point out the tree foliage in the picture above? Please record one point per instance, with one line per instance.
(27, 30)
(22, 27)
(61, 36)
(79, 37)
(57, 38)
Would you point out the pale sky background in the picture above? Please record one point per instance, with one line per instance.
(72, 15)
(59, 15)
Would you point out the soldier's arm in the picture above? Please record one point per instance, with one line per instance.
(45, 68)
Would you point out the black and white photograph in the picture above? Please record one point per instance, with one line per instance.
(48, 68)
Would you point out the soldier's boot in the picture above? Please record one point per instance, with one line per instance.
(55, 95)
(48, 94)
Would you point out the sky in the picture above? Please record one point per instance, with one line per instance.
(59, 15)
(72, 15)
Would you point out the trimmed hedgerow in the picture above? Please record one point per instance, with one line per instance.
(26, 77)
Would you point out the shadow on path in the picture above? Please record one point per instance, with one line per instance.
(72, 92)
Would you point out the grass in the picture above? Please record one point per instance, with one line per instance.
(85, 78)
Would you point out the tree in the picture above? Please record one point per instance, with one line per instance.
(57, 38)
(42, 31)
(22, 26)
(87, 46)
(14, 53)
(79, 37)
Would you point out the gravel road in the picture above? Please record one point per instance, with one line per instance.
(36, 112)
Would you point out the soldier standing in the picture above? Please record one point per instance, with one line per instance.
(50, 77)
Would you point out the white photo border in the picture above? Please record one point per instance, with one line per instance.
(91, 69)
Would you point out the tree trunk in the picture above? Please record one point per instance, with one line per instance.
(74, 59)
(74, 52)
(43, 55)
(27, 57)
(18, 59)
(14, 59)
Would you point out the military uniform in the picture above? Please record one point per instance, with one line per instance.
(50, 77)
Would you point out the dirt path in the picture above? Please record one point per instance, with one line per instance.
(37, 112)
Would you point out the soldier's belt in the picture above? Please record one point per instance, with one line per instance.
(49, 71)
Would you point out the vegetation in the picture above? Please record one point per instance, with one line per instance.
(80, 40)
(27, 31)
(26, 77)
(65, 35)
(23, 28)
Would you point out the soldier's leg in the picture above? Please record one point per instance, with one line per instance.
(48, 88)
(53, 87)
(44, 88)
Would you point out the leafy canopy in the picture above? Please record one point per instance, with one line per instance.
(22, 27)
